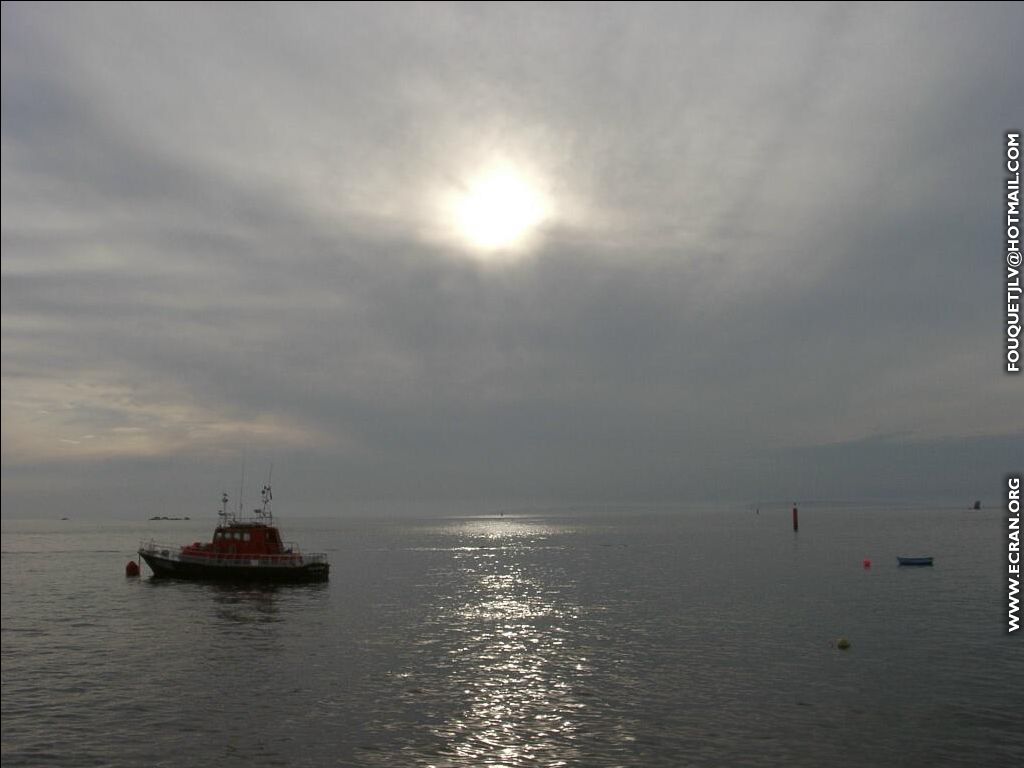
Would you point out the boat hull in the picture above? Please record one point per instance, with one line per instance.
(171, 568)
(914, 560)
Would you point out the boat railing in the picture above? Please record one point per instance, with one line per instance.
(153, 547)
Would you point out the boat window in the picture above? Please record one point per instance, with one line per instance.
(245, 536)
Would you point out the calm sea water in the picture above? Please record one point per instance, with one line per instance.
(598, 638)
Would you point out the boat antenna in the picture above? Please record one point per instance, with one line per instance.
(241, 489)
(224, 507)
(268, 497)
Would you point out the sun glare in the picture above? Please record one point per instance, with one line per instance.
(498, 211)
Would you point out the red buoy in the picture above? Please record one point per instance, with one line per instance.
(796, 521)
(132, 569)
(867, 563)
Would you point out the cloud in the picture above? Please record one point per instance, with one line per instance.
(774, 231)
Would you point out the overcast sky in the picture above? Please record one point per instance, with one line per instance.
(765, 261)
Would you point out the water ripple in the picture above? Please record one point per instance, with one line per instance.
(653, 640)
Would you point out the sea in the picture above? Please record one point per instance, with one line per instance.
(587, 636)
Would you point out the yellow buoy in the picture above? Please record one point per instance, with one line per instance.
(842, 643)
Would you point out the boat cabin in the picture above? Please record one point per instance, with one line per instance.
(255, 538)
(245, 539)
(242, 538)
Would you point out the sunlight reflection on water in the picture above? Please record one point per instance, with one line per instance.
(514, 671)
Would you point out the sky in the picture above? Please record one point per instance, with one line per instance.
(504, 254)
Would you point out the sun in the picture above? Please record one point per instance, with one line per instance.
(498, 211)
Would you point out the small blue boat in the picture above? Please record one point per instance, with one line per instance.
(915, 560)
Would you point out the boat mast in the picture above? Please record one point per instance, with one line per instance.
(267, 514)
(241, 491)
(268, 496)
